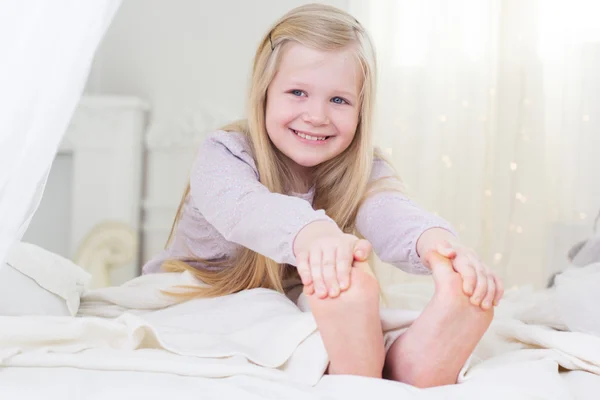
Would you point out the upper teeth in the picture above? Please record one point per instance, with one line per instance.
(305, 136)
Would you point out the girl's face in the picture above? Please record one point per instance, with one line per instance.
(313, 104)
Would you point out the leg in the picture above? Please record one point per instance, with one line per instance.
(436, 346)
(351, 327)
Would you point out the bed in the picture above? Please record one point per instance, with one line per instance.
(132, 341)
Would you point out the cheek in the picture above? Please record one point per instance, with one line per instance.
(346, 124)
(273, 116)
(278, 114)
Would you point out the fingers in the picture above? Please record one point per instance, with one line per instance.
(482, 283)
(305, 274)
(446, 249)
(304, 268)
(329, 272)
(489, 288)
(483, 287)
(488, 300)
(462, 265)
(438, 263)
(499, 290)
(316, 272)
(362, 250)
(343, 266)
(309, 289)
(325, 268)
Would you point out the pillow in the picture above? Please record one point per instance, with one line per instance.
(35, 281)
(577, 298)
(583, 253)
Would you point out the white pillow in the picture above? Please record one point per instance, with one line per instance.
(577, 298)
(35, 281)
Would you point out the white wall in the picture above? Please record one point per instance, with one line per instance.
(185, 54)
(191, 61)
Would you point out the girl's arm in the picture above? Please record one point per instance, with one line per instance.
(225, 189)
(399, 230)
(403, 234)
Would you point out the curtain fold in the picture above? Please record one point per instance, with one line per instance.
(46, 50)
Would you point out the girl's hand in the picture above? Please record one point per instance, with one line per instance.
(479, 282)
(324, 256)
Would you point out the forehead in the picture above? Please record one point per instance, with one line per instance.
(337, 69)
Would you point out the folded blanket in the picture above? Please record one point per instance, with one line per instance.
(255, 332)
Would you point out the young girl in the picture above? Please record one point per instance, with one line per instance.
(289, 190)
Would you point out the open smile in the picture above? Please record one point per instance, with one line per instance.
(310, 138)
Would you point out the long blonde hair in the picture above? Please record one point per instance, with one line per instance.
(340, 184)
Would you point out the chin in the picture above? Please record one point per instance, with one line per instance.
(307, 162)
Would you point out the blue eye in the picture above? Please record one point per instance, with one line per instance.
(297, 92)
(339, 100)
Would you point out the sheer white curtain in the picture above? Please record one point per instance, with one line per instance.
(490, 109)
(46, 49)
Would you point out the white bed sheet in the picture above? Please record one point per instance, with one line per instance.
(225, 348)
(76, 384)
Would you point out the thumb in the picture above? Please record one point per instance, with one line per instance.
(440, 266)
(362, 250)
(446, 249)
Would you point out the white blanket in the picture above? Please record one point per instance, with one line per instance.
(266, 346)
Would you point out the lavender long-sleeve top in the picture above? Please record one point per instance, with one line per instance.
(228, 208)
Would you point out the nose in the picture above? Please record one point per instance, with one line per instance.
(316, 113)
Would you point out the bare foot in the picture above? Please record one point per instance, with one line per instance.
(437, 345)
(350, 326)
